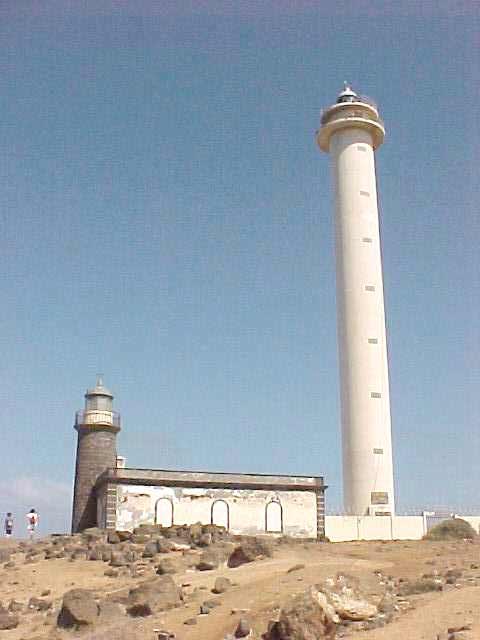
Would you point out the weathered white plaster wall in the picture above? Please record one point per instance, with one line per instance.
(246, 508)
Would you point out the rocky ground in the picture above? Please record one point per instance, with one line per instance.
(198, 583)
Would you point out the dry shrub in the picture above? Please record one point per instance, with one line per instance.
(454, 529)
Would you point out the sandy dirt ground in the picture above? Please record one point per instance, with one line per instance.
(261, 588)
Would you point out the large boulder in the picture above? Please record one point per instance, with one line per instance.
(309, 616)
(170, 566)
(109, 612)
(8, 620)
(221, 585)
(243, 629)
(150, 550)
(124, 536)
(165, 546)
(351, 607)
(210, 559)
(79, 609)
(195, 532)
(94, 534)
(248, 551)
(344, 594)
(217, 532)
(158, 594)
(113, 537)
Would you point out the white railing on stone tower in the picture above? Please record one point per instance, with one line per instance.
(97, 417)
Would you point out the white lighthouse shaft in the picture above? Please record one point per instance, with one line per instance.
(351, 130)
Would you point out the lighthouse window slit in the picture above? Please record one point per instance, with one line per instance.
(372, 341)
(375, 394)
(365, 193)
(367, 240)
(369, 287)
(360, 148)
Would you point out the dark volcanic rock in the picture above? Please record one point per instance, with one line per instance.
(8, 621)
(205, 540)
(164, 546)
(307, 617)
(94, 534)
(124, 535)
(78, 609)
(210, 559)
(248, 551)
(154, 595)
(168, 566)
(243, 629)
(39, 604)
(221, 585)
(113, 537)
(151, 549)
(109, 611)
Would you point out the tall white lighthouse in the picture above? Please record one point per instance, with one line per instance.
(351, 130)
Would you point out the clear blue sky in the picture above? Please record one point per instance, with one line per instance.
(166, 219)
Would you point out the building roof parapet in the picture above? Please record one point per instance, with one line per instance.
(213, 480)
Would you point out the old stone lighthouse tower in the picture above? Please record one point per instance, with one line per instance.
(97, 426)
(350, 131)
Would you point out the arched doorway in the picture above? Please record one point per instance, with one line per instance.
(274, 517)
(220, 514)
(164, 512)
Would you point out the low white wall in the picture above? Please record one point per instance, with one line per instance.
(408, 527)
(343, 528)
(246, 508)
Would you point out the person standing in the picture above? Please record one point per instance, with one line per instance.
(32, 522)
(8, 525)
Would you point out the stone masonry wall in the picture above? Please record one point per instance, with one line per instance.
(96, 452)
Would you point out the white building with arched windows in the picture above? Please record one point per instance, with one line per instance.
(242, 503)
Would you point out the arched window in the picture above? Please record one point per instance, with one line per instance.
(274, 517)
(164, 512)
(220, 514)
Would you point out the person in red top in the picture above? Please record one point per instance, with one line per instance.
(32, 522)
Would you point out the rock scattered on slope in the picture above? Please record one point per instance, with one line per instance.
(79, 609)
(157, 594)
(308, 616)
(249, 550)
